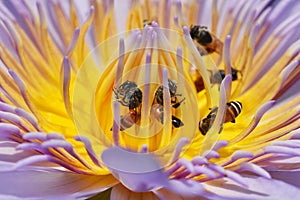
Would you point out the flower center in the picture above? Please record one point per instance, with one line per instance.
(143, 98)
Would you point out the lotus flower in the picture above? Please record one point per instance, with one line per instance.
(97, 104)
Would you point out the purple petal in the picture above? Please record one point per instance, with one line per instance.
(186, 188)
(9, 154)
(51, 184)
(288, 176)
(259, 114)
(236, 177)
(259, 188)
(139, 172)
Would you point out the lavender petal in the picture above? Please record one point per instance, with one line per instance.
(51, 184)
(259, 188)
(138, 172)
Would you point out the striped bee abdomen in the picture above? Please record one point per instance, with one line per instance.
(233, 109)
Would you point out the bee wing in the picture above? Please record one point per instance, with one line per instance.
(201, 49)
(218, 45)
(157, 112)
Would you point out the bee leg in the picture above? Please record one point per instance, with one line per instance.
(176, 105)
(221, 129)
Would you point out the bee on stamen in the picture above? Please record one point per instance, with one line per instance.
(221, 73)
(129, 95)
(205, 41)
(233, 109)
(149, 21)
(157, 106)
(215, 78)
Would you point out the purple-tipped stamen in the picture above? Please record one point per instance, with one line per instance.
(89, 148)
(116, 123)
(66, 78)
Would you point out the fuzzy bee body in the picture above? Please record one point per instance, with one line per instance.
(129, 95)
(159, 94)
(233, 109)
(215, 78)
(157, 106)
(129, 119)
(208, 42)
(221, 73)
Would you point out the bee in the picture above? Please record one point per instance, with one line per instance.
(233, 109)
(129, 95)
(208, 42)
(157, 106)
(129, 119)
(234, 74)
(199, 84)
(149, 21)
(159, 95)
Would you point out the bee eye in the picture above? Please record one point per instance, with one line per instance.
(204, 37)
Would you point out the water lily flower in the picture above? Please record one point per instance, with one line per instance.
(176, 100)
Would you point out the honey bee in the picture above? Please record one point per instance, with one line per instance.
(159, 95)
(149, 21)
(199, 84)
(234, 74)
(233, 109)
(157, 106)
(129, 119)
(208, 42)
(129, 95)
